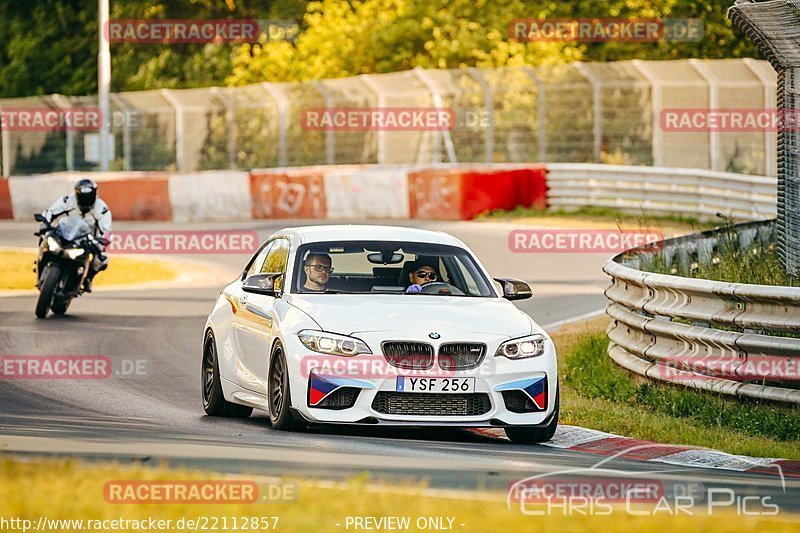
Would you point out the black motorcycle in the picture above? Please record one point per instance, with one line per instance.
(65, 253)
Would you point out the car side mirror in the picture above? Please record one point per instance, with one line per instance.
(514, 289)
(38, 217)
(262, 284)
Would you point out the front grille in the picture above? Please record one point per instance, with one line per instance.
(428, 404)
(461, 355)
(412, 355)
(342, 398)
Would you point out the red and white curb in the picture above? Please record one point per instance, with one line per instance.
(597, 442)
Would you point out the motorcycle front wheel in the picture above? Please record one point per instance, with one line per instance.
(47, 289)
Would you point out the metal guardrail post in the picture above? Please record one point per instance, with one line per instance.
(597, 108)
(278, 94)
(127, 152)
(330, 139)
(180, 146)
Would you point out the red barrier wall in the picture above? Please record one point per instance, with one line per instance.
(137, 198)
(294, 194)
(6, 211)
(462, 194)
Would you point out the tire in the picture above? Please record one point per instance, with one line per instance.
(214, 402)
(527, 435)
(61, 307)
(279, 395)
(50, 278)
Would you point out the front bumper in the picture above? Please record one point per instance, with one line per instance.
(494, 376)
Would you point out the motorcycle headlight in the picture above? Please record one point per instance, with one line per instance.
(333, 344)
(52, 244)
(74, 253)
(522, 348)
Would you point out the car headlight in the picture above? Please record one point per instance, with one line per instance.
(74, 253)
(333, 344)
(522, 348)
(52, 244)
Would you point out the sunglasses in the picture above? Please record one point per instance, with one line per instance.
(424, 274)
(321, 268)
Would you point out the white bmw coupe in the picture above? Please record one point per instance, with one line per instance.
(378, 325)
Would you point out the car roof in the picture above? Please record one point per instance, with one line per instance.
(365, 232)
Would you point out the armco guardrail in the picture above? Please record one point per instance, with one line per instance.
(699, 193)
(708, 335)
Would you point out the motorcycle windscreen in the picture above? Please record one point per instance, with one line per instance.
(73, 227)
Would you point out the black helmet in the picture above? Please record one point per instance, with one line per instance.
(85, 194)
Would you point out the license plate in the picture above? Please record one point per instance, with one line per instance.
(439, 385)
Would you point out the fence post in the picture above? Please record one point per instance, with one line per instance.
(541, 111)
(488, 102)
(127, 153)
(713, 103)
(436, 96)
(655, 104)
(770, 137)
(282, 100)
(381, 133)
(222, 94)
(180, 147)
(70, 134)
(5, 150)
(330, 139)
(596, 107)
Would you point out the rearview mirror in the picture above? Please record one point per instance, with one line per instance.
(262, 284)
(386, 257)
(38, 217)
(514, 289)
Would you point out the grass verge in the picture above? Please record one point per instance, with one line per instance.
(16, 271)
(68, 490)
(599, 394)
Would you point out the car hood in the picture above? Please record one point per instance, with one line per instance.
(349, 314)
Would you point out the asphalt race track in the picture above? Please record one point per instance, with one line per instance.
(146, 418)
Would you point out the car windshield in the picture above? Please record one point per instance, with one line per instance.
(388, 267)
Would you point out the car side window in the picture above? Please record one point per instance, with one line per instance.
(276, 260)
(257, 265)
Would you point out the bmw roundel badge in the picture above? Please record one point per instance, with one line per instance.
(433, 335)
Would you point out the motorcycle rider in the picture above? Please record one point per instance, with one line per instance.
(94, 211)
